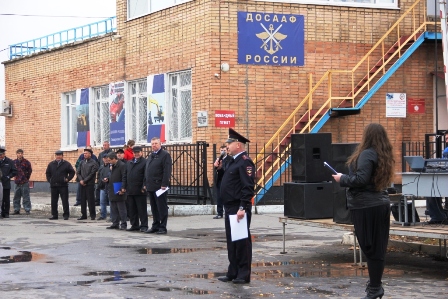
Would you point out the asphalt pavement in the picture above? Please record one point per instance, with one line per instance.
(40, 258)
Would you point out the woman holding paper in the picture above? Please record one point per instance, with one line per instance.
(371, 171)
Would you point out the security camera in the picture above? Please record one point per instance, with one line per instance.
(217, 75)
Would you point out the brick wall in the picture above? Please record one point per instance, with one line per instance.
(200, 35)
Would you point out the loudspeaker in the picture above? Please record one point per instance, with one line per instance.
(339, 155)
(308, 200)
(340, 212)
(308, 154)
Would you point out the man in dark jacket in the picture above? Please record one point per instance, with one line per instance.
(59, 173)
(86, 173)
(135, 191)
(9, 171)
(157, 177)
(103, 176)
(116, 189)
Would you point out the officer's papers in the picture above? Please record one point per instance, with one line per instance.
(161, 191)
(238, 229)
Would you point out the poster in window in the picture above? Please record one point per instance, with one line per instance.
(82, 119)
(156, 107)
(117, 113)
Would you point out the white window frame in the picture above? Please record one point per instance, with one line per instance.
(133, 15)
(138, 98)
(173, 121)
(69, 136)
(352, 3)
(100, 122)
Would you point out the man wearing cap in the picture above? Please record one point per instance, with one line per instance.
(116, 188)
(59, 172)
(9, 171)
(237, 190)
(87, 174)
(157, 177)
(21, 180)
(78, 162)
(101, 156)
(135, 191)
(120, 154)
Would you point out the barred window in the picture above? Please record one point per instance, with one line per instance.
(68, 120)
(138, 107)
(179, 104)
(101, 125)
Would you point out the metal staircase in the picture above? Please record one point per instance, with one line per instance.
(370, 73)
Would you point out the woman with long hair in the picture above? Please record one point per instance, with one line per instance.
(371, 171)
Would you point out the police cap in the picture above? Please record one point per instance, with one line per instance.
(235, 136)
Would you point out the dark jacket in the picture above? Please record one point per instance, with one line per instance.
(9, 171)
(103, 172)
(158, 170)
(117, 174)
(135, 176)
(87, 171)
(58, 175)
(361, 192)
(220, 172)
(238, 182)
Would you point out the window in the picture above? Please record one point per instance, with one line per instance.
(179, 104)
(354, 3)
(138, 8)
(101, 125)
(68, 120)
(138, 107)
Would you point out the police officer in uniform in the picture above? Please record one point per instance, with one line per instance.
(237, 190)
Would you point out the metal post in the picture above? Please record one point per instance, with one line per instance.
(355, 260)
(284, 238)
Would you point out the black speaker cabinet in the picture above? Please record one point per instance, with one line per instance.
(340, 212)
(339, 155)
(308, 154)
(308, 200)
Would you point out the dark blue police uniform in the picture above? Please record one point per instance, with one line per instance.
(237, 190)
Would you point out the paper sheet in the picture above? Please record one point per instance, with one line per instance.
(238, 230)
(160, 191)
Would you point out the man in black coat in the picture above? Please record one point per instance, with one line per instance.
(86, 173)
(135, 191)
(9, 171)
(59, 173)
(237, 191)
(157, 177)
(220, 166)
(116, 192)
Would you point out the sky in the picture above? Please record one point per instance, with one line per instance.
(32, 19)
(24, 20)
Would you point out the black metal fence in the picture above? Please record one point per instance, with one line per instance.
(189, 181)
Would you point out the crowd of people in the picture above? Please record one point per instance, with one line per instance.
(121, 179)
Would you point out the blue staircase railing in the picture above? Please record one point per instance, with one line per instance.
(62, 38)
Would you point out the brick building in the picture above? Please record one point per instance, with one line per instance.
(169, 64)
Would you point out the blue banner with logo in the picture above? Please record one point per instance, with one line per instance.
(270, 39)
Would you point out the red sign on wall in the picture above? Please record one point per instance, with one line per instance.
(224, 118)
(416, 106)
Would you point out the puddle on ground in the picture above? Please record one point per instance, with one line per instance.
(24, 256)
(175, 250)
(104, 273)
(305, 269)
(186, 291)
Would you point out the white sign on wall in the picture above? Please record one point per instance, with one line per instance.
(395, 105)
(202, 119)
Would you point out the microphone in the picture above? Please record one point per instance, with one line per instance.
(221, 157)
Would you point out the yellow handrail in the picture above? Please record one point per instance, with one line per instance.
(290, 125)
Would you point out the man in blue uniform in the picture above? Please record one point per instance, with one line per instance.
(237, 191)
